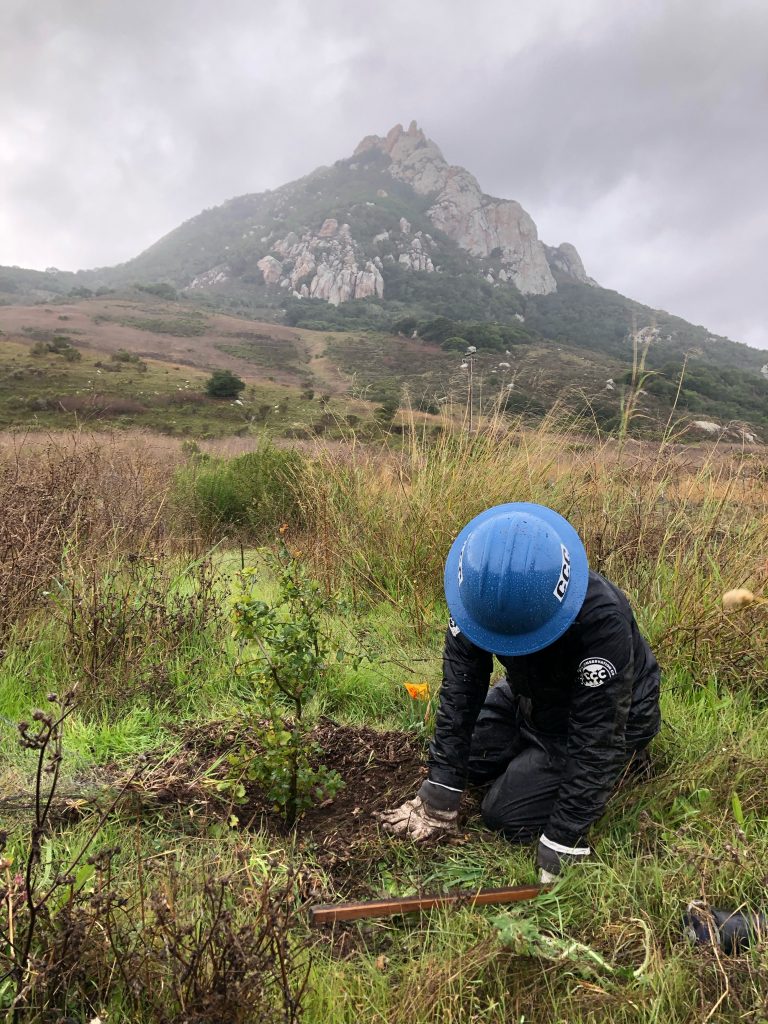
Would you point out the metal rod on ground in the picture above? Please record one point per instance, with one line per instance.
(330, 912)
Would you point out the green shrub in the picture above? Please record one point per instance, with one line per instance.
(123, 356)
(251, 495)
(224, 384)
(287, 655)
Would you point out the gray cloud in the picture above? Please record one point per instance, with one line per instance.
(635, 131)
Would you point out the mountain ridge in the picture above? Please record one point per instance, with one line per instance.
(391, 231)
(340, 260)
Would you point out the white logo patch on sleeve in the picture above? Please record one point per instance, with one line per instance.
(453, 628)
(595, 671)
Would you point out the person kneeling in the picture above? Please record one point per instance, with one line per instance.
(579, 703)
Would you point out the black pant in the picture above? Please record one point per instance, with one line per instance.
(525, 767)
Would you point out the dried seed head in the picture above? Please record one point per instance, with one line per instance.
(739, 598)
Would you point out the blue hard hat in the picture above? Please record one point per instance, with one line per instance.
(515, 578)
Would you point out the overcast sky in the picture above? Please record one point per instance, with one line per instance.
(636, 130)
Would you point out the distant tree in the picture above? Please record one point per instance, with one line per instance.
(162, 290)
(438, 329)
(454, 344)
(406, 325)
(224, 384)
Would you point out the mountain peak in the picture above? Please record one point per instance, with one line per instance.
(399, 145)
(352, 231)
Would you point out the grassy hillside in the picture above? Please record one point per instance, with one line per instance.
(315, 377)
(600, 320)
(46, 391)
(171, 896)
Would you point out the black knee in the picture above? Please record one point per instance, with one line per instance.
(497, 817)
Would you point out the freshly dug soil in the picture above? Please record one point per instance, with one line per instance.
(379, 770)
(340, 837)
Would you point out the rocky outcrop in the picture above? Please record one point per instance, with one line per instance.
(416, 257)
(415, 159)
(475, 221)
(271, 268)
(327, 265)
(209, 279)
(566, 260)
(481, 225)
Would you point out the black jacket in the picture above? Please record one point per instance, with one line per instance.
(595, 691)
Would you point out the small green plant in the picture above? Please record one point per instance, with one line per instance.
(288, 654)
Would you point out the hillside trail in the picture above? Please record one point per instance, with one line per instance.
(327, 375)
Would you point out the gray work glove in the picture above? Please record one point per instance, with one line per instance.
(552, 857)
(418, 820)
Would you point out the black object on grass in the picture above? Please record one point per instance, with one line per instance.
(732, 930)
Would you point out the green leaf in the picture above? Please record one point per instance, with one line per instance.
(738, 813)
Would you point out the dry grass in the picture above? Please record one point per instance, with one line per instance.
(672, 530)
(73, 496)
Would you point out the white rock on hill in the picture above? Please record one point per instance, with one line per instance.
(416, 258)
(475, 221)
(216, 275)
(323, 266)
(271, 268)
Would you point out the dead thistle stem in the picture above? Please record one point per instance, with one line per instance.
(46, 741)
(11, 938)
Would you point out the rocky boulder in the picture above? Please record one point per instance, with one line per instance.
(271, 268)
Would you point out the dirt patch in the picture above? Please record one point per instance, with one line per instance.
(379, 770)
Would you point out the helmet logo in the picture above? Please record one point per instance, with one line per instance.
(565, 574)
(595, 671)
(461, 564)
